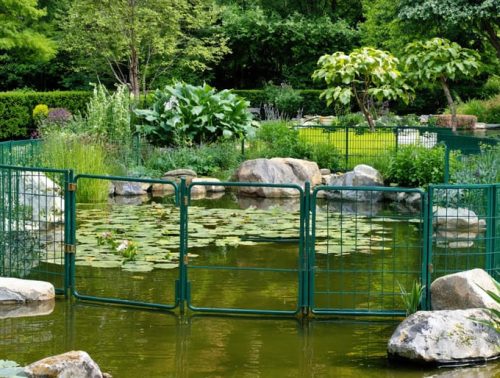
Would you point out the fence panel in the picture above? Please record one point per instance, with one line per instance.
(127, 248)
(33, 215)
(248, 258)
(366, 242)
(464, 221)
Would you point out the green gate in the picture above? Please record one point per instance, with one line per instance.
(363, 248)
(35, 231)
(120, 234)
(232, 243)
(464, 221)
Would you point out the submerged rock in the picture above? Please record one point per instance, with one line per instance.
(21, 310)
(463, 290)
(361, 175)
(74, 364)
(15, 290)
(277, 171)
(453, 337)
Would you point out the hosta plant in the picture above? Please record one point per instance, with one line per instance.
(185, 114)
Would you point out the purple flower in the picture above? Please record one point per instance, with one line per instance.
(59, 116)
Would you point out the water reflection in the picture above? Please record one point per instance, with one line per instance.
(129, 342)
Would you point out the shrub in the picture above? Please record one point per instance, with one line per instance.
(284, 99)
(280, 139)
(184, 114)
(16, 109)
(482, 168)
(83, 155)
(415, 166)
(217, 159)
(485, 110)
(40, 111)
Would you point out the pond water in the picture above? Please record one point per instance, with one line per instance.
(244, 254)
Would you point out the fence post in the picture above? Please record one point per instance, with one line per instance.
(69, 232)
(346, 148)
(490, 229)
(427, 266)
(183, 202)
(243, 148)
(305, 239)
(446, 164)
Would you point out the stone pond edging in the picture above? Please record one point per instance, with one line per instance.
(457, 332)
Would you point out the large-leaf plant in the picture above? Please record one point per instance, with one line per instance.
(185, 114)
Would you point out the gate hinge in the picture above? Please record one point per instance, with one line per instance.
(186, 259)
(69, 248)
(186, 201)
(430, 268)
(72, 187)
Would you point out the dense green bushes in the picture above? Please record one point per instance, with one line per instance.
(16, 109)
(280, 139)
(485, 110)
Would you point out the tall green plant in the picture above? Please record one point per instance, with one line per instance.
(108, 114)
(185, 114)
(83, 155)
(411, 299)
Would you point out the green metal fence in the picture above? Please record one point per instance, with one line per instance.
(359, 145)
(339, 250)
(34, 216)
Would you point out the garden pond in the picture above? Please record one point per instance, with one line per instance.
(243, 254)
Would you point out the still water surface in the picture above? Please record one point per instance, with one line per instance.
(129, 342)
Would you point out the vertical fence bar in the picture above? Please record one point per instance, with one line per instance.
(304, 249)
(346, 148)
(490, 228)
(428, 231)
(72, 231)
(446, 164)
(182, 286)
(68, 230)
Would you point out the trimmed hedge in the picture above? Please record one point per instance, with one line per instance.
(311, 103)
(16, 109)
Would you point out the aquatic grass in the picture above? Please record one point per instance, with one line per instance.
(494, 321)
(83, 155)
(411, 299)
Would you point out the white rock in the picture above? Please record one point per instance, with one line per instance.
(463, 290)
(445, 337)
(14, 290)
(21, 310)
(453, 218)
(361, 175)
(209, 188)
(74, 364)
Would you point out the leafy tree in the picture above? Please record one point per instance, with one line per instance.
(482, 15)
(18, 29)
(367, 74)
(267, 47)
(439, 60)
(140, 40)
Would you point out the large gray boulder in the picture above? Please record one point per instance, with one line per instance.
(131, 188)
(15, 290)
(277, 171)
(463, 290)
(176, 174)
(449, 218)
(74, 364)
(445, 337)
(361, 175)
(209, 188)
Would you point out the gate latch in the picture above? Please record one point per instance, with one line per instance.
(69, 248)
(72, 187)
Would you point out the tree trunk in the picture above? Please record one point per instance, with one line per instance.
(134, 73)
(366, 111)
(492, 36)
(451, 103)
